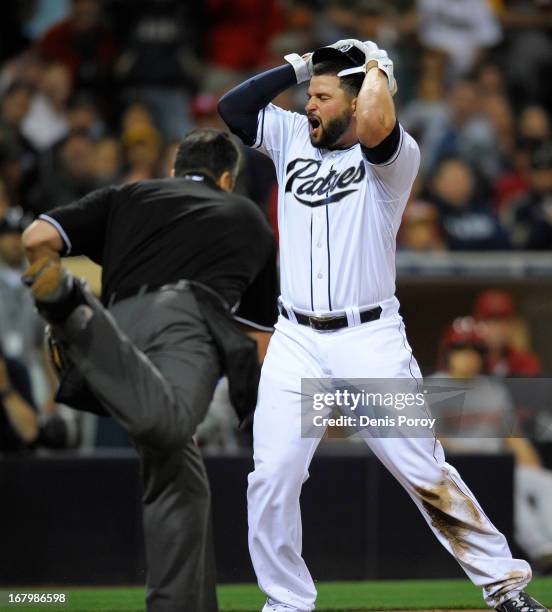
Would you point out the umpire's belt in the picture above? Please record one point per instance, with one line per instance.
(125, 293)
(329, 322)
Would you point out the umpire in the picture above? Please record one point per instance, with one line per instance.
(178, 255)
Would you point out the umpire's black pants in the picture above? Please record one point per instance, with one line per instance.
(152, 364)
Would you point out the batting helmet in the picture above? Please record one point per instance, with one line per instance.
(346, 51)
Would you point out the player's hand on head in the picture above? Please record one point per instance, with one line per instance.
(302, 64)
(381, 59)
(349, 42)
(371, 46)
(367, 47)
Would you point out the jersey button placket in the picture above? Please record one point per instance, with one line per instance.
(319, 258)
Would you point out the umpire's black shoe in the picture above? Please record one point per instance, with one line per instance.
(521, 603)
(55, 291)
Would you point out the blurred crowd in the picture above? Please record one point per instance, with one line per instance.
(498, 413)
(96, 92)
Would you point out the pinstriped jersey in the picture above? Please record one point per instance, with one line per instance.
(338, 215)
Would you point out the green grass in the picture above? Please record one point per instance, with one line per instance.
(333, 597)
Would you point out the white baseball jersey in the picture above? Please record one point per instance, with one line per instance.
(338, 215)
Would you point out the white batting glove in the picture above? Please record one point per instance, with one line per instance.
(340, 45)
(385, 64)
(301, 64)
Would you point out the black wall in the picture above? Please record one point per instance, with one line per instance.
(76, 520)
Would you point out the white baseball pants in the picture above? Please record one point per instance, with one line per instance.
(373, 350)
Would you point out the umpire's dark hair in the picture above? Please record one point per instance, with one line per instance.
(351, 84)
(208, 151)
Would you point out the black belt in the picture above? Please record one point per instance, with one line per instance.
(329, 322)
(128, 292)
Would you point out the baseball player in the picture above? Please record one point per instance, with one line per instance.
(345, 171)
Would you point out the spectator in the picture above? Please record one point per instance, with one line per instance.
(531, 215)
(4, 201)
(18, 419)
(420, 231)
(239, 39)
(338, 20)
(513, 183)
(136, 112)
(467, 222)
(219, 430)
(107, 161)
(380, 22)
(533, 129)
(461, 30)
(486, 423)
(74, 174)
(375, 20)
(11, 173)
(305, 30)
(467, 132)
(14, 107)
(142, 145)
(21, 428)
(427, 115)
(84, 44)
(534, 124)
(204, 111)
(46, 122)
(26, 68)
(160, 63)
(21, 329)
(528, 50)
(498, 112)
(490, 80)
(494, 311)
(84, 117)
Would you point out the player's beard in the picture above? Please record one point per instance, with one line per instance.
(333, 131)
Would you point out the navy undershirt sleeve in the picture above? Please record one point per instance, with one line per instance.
(239, 108)
(386, 148)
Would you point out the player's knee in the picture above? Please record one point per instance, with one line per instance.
(420, 476)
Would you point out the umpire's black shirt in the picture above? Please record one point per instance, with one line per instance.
(160, 231)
